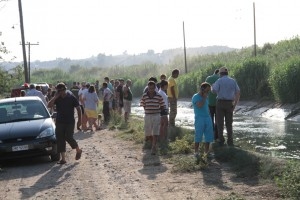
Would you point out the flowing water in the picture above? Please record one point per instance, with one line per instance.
(272, 136)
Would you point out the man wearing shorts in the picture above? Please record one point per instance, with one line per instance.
(203, 123)
(153, 104)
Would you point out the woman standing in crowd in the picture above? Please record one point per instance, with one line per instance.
(91, 101)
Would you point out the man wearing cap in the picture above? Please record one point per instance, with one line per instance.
(65, 121)
(228, 95)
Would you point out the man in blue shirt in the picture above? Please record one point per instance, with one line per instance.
(203, 122)
(228, 95)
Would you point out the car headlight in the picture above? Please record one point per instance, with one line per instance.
(46, 133)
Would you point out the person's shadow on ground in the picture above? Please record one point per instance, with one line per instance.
(152, 164)
(55, 176)
(212, 176)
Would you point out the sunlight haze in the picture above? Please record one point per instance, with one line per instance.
(80, 29)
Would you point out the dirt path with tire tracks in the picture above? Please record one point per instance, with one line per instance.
(111, 168)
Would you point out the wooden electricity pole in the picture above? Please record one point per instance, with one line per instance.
(254, 29)
(23, 42)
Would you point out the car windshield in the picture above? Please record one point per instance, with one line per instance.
(22, 111)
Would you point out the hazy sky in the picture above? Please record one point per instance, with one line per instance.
(82, 28)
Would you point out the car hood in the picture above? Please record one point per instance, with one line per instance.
(30, 128)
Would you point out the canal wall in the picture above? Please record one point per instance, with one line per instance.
(269, 109)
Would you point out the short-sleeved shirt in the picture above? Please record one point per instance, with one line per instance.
(65, 109)
(152, 105)
(75, 90)
(109, 85)
(34, 92)
(91, 100)
(165, 97)
(171, 83)
(81, 93)
(226, 88)
(202, 111)
(212, 98)
(107, 94)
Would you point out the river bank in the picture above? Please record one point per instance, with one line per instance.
(268, 109)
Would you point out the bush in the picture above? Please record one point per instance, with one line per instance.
(284, 81)
(252, 77)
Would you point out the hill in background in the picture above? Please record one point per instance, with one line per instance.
(102, 60)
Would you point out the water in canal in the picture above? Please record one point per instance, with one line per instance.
(272, 136)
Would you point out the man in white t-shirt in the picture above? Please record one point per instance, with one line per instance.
(164, 122)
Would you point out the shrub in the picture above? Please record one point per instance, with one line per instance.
(252, 77)
(284, 81)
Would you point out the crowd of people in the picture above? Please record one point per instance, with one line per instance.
(215, 101)
(83, 97)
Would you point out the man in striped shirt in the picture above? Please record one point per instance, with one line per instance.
(153, 104)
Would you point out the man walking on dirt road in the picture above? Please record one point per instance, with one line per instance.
(65, 121)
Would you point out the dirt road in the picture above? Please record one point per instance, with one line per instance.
(111, 168)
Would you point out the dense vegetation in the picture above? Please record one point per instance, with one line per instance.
(272, 74)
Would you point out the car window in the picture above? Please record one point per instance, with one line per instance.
(3, 115)
(22, 110)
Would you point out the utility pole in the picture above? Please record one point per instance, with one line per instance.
(29, 44)
(28, 71)
(23, 41)
(254, 29)
(185, 65)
